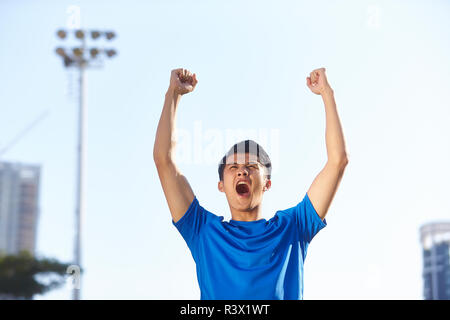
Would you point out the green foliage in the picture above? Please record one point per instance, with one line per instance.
(19, 273)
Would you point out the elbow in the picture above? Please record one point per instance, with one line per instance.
(158, 154)
(162, 153)
(344, 161)
(161, 159)
(340, 162)
(158, 159)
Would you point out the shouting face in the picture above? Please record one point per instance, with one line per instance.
(244, 182)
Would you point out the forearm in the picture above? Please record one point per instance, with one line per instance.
(334, 136)
(165, 140)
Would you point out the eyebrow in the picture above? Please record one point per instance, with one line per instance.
(230, 164)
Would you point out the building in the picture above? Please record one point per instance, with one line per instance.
(19, 207)
(435, 238)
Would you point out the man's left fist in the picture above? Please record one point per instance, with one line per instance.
(317, 81)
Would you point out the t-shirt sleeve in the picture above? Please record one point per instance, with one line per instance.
(191, 224)
(308, 221)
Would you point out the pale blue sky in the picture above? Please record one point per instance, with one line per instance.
(387, 62)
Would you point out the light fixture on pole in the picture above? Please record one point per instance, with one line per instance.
(81, 58)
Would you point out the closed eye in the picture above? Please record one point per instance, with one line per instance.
(252, 166)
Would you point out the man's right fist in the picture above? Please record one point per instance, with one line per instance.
(182, 81)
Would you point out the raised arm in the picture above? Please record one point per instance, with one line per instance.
(325, 185)
(177, 190)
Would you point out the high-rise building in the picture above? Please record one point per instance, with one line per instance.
(19, 207)
(435, 238)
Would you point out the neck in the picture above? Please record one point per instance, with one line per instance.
(247, 215)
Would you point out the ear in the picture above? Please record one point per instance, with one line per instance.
(267, 185)
(220, 186)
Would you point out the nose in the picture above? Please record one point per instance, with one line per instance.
(242, 171)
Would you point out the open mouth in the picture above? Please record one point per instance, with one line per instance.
(243, 189)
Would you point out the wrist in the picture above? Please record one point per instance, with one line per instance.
(171, 93)
(327, 90)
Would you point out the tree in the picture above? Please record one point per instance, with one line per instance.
(22, 276)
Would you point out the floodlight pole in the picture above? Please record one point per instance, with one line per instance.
(79, 209)
(79, 61)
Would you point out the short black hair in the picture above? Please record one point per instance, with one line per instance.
(250, 147)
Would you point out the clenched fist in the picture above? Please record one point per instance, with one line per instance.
(317, 81)
(182, 81)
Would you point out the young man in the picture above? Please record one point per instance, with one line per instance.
(248, 257)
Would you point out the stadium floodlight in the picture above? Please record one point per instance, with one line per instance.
(60, 52)
(61, 34)
(94, 52)
(95, 34)
(111, 53)
(79, 34)
(82, 57)
(78, 52)
(110, 35)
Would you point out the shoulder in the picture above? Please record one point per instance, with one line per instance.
(209, 214)
(292, 212)
(282, 217)
(197, 212)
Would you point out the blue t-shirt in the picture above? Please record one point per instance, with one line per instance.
(250, 260)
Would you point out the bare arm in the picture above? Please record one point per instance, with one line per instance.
(177, 190)
(324, 186)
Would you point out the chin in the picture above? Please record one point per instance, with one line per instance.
(245, 204)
